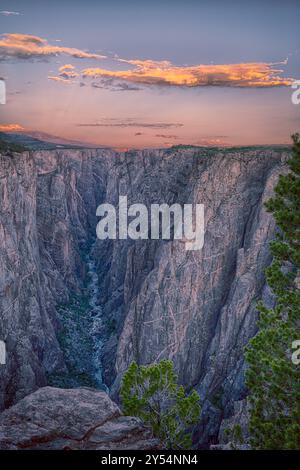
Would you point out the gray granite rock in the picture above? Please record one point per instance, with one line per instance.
(83, 418)
(158, 300)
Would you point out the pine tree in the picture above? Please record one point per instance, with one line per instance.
(152, 394)
(273, 378)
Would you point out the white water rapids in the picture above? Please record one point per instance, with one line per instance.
(96, 322)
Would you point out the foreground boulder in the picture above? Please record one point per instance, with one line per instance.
(82, 418)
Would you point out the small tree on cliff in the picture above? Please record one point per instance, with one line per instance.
(152, 394)
(272, 377)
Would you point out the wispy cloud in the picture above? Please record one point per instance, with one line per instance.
(114, 85)
(66, 68)
(130, 123)
(167, 136)
(10, 13)
(213, 141)
(164, 73)
(25, 46)
(66, 74)
(59, 79)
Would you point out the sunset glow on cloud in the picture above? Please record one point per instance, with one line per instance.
(59, 79)
(27, 46)
(66, 73)
(11, 128)
(164, 73)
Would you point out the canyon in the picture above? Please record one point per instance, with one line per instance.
(76, 310)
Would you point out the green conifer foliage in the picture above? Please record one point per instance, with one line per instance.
(273, 378)
(152, 394)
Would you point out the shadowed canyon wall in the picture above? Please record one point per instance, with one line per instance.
(157, 299)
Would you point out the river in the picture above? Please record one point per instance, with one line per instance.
(96, 331)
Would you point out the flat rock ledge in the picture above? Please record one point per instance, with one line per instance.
(81, 418)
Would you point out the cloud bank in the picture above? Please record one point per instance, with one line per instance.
(143, 72)
(25, 46)
(164, 73)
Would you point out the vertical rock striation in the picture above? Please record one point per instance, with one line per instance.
(27, 320)
(156, 299)
(197, 308)
(47, 213)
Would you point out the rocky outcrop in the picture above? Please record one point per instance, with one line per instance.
(157, 299)
(83, 418)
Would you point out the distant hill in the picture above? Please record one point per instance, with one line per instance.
(7, 145)
(40, 141)
(18, 142)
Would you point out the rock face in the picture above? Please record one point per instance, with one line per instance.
(158, 300)
(195, 307)
(53, 418)
(47, 210)
(229, 439)
(27, 312)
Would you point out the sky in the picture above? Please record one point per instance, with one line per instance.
(133, 74)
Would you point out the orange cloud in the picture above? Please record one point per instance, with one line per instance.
(11, 128)
(66, 74)
(26, 46)
(213, 142)
(59, 79)
(66, 67)
(149, 72)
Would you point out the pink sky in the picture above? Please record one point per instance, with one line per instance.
(122, 87)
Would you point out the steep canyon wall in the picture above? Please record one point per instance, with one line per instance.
(158, 300)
